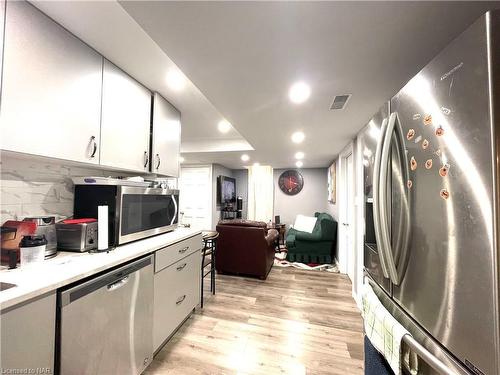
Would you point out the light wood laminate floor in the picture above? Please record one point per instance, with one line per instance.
(295, 322)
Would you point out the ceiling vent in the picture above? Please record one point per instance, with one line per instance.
(340, 101)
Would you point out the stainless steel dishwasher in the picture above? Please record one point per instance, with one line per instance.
(106, 324)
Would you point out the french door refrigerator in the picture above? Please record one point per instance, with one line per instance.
(431, 167)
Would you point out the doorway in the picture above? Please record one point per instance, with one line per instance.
(347, 221)
(195, 185)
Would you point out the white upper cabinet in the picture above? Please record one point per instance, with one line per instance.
(2, 19)
(125, 123)
(51, 89)
(166, 138)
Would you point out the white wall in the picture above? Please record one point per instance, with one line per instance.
(35, 187)
(312, 198)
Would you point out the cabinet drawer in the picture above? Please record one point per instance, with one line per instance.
(176, 293)
(171, 254)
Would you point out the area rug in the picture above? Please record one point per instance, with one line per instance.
(280, 261)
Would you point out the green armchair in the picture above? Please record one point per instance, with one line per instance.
(315, 247)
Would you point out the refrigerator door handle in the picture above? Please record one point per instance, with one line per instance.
(427, 357)
(402, 262)
(376, 203)
(382, 197)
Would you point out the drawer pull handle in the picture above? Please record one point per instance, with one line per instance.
(182, 251)
(180, 300)
(180, 268)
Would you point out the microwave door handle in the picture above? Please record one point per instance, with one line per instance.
(376, 213)
(384, 214)
(175, 205)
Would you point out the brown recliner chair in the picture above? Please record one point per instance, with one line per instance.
(245, 247)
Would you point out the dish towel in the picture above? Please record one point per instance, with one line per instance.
(385, 333)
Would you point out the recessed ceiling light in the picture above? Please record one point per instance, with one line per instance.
(245, 157)
(299, 92)
(299, 155)
(298, 137)
(299, 164)
(181, 159)
(176, 80)
(224, 126)
(256, 164)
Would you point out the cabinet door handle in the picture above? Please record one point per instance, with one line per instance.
(182, 251)
(92, 140)
(180, 268)
(180, 300)
(146, 159)
(159, 161)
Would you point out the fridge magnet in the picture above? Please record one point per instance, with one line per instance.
(445, 194)
(425, 144)
(428, 120)
(409, 184)
(410, 134)
(439, 131)
(413, 163)
(443, 171)
(445, 110)
(428, 164)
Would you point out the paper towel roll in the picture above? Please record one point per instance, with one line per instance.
(102, 227)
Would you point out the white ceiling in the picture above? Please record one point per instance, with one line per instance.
(243, 56)
(109, 29)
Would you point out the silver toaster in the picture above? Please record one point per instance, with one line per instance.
(77, 236)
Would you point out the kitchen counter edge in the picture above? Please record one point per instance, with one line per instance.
(68, 268)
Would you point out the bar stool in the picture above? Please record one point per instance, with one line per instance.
(208, 259)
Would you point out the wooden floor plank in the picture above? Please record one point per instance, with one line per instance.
(295, 322)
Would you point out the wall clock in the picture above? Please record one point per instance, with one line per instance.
(291, 182)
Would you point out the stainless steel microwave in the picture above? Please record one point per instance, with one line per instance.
(134, 212)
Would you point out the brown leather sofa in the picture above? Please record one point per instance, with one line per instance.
(245, 247)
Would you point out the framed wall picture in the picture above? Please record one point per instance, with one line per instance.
(332, 183)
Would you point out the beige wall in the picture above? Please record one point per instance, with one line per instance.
(312, 198)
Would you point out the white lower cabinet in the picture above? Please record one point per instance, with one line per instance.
(28, 337)
(176, 294)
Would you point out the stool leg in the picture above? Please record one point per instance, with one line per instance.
(202, 287)
(214, 250)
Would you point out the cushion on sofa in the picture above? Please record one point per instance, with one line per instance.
(305, 223)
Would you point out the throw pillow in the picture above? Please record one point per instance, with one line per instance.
(305, 223)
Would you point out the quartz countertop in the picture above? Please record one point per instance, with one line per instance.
(68, 267)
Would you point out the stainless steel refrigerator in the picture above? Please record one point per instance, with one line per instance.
(431, 167)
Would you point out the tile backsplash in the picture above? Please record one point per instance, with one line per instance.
(33, 187)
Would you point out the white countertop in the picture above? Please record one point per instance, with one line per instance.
(68, 267)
